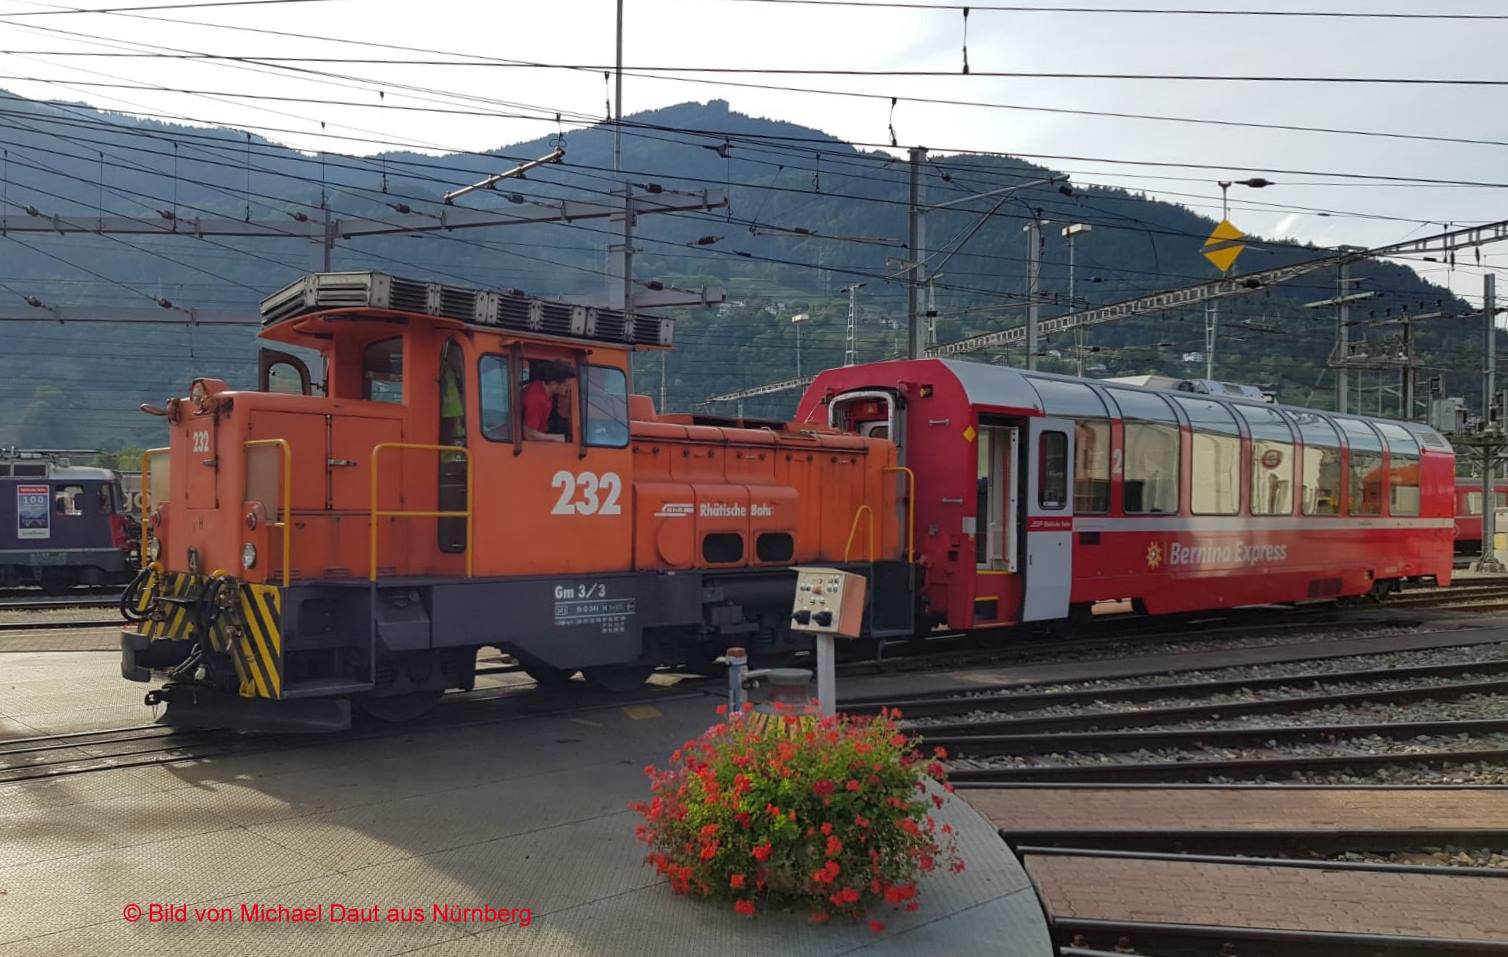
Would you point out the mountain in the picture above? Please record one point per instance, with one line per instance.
(809, 215)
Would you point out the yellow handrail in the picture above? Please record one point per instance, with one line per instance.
(910, 508)
(287, 523)
(146, 499)
(378, 513)
(854, 530)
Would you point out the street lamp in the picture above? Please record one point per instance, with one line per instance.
(1212, 309)
(797, 320)
(1256, 182)
(1069, 232)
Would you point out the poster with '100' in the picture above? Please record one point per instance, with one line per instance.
(33, 511)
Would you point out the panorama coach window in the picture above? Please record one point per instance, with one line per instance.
(1215, 475)
(1366, 479)
(496, 394)
(1319, 475)
(1271, 460)
(382, 371)
(1403, 469)
(1052, 470)
(1150, 467)
(606, 407)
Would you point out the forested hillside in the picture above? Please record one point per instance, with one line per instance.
(809, 216)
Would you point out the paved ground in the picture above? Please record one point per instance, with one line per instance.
(528, 811)
(1291, 898)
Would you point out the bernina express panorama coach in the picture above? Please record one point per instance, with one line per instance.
(476, 472)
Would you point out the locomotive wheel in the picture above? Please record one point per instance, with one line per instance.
(396, 709)
(618, 679)
(547, 677)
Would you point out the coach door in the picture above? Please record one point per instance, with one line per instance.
(1049, 519)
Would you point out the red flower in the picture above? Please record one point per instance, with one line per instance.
(941, 753)
(877, 926)
(827, 827)
(743, 818)
(861, 820)
(834, 847)
(709, 851)
(709, 830)
(722, 709)
(898, 740)
(937, 800)
(744, 907)
(852, 785)
(818, 917)
(762, 852)
(936, 770)
(850, 895)
(736, 882)
(823, 787)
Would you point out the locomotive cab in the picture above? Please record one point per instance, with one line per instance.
(358, 542)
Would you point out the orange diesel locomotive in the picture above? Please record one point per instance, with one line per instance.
(314, 547)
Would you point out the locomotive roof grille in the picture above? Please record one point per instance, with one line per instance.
(505, 308)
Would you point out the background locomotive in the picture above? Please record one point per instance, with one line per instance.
(61, 524)
(361, 545)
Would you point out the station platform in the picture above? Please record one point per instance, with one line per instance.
(525, 807)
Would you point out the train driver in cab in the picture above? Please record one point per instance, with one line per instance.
(549, 381)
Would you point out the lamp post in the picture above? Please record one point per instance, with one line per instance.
(1212, 309)
(1069, 232)
(797, 320)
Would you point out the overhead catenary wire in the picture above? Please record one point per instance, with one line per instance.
(889, 96)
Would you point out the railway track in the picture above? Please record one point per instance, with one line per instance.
(49, 624)
(1143, 796)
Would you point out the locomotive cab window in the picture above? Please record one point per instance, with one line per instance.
(451, 532)
(1150, 477)
(382, 371)
(69, 500)
(1366, 480)
(495, 395)
(1319, 472)
(606, 407)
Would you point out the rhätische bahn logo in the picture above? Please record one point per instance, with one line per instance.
(1154, 554)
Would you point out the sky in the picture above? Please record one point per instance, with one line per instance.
(761, 36)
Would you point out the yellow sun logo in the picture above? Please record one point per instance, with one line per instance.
(1154, 555)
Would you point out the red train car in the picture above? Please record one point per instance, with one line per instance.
(1469, 513)
(1039, 496)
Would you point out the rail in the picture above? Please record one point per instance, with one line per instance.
(146, 500)
(910, 509)
(377, 513)
(286, 454)
(854, 530)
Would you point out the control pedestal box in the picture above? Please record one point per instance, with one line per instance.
(829, 601)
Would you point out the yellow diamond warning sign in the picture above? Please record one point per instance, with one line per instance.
(968, 433)
(1224, 245)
